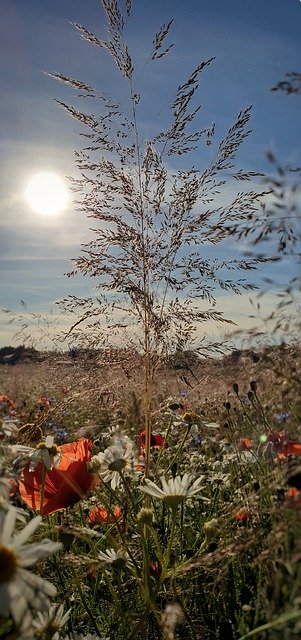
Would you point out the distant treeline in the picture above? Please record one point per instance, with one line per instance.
(11, 355)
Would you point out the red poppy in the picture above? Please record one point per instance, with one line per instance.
(11, 405)
(158, 442)
(154, 568)
(291, 448)
(100, 515)
(293, 496)
(44, 402)
(65, 484)
(245, 443)
(241, 515)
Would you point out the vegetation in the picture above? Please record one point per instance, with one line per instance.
(156, 485)
(226, 560)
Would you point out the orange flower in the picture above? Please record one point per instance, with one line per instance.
(11, 405)
(293, 448)
(44, 402)
(65, 484)
(294, 493)
(289, 448)
(241, 515)
(245, 443)
(294, 497)
(99, 515)
(5, 398)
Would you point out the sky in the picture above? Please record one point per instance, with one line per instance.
(255, 43)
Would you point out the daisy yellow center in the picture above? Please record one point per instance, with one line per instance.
(8, 564)
(53, 449)
(174, 500)
(117, 465)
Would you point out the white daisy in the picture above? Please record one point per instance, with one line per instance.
(174, 491)
(112, 462)
(5, 503)
(47, 624)
(117, 558)
(8, 428)
(46, 451)
(19, 588)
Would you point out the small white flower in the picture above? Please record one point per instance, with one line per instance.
(47, 452)
(47, 624)
(112, 462)
(117, 558)
(174, 491)
(8, 428)
(18, 586)
(5, 503)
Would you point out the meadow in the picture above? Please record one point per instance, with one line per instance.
(152, 492)
(208, 548)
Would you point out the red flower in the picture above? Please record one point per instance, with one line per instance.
(245, 443)
(99, 515)
(11, 405)
(293, 496)
(156, 441)
(44, 402)
(241, 515)
(291, 448)
(65, 484)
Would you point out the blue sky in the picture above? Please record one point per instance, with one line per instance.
(255, 42)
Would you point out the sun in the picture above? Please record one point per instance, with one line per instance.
(46, 193)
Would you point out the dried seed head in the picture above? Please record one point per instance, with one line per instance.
(171, 617)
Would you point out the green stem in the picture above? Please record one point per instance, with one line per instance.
(166, 558)
(179, 449)
(84, 602)
(42, 490)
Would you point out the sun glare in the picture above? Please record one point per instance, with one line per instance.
(46, 193)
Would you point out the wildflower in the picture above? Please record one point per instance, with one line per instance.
(154, 568)
(113, 462)
(156, 441)
(8, 403)
(281, 417)
(8, 428)
(54, 427)
(5, 504)
(291, 448)
(211, 529)
(46, 452)
(100, 515)
(20, 588)
(191, 417)
(118, 558)
(293, 497)
(172, 616)
(65, 484)
(241, 515)
(145, 516)
(45, 402)
(245, 443)
(174, 491)
(48, 624)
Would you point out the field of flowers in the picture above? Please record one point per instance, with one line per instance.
(208, 546)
